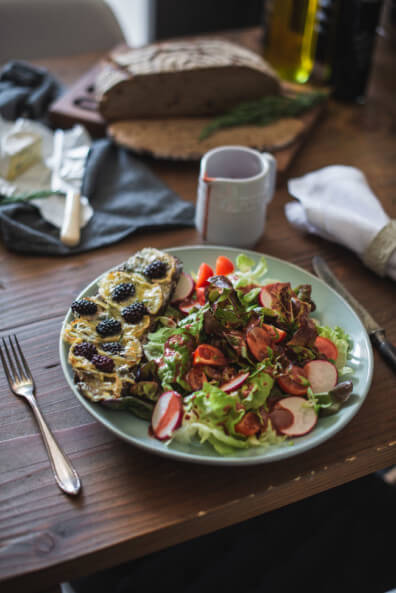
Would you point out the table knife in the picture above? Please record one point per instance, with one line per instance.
(374, 330)
(70, 231)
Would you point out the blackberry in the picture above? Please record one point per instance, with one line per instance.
(103, 363)
(85, 349)
(84, 307)
(157, 269)
(112, 347)
(122, 291)
(134, 313)
(108, 327)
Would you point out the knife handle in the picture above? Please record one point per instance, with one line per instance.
(387, 349)
(70, 231)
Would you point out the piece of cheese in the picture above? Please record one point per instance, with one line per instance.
(19, 151)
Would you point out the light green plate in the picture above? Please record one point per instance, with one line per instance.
(331, 310)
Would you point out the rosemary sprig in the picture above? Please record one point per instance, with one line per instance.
(4, 199)
(263, 111)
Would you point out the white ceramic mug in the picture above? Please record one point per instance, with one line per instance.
(234, 188)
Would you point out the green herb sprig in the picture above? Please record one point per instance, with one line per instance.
(263, 112)
(4, 199)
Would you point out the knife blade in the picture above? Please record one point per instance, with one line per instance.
(374, 330)
(70, 231)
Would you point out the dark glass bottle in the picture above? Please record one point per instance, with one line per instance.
(326, 28)
(357, 21)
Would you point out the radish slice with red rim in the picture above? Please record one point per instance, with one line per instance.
(265, 298)
(167, 415)
(321, 374)
(184, 288)
(304, 416)
(234, 383)
(281, 418)
(188, 306)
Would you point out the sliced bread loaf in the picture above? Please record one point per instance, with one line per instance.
(180, 78)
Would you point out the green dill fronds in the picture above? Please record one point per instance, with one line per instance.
(263, 112)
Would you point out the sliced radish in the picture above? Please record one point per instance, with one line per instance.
(184, 289)
(321, 374)
(234, 383)
(304, 416)
(188, 306)
(281, 418)
(265, 298)
(167, 415)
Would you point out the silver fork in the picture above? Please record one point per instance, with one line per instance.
(21, 383)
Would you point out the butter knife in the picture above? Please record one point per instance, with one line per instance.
(70, 231)
(374, 330)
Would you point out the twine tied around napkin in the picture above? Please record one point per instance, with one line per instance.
(337, 204)
(380, 249)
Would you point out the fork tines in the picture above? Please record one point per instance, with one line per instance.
(17, 369)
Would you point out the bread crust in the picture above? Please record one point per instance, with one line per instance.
(203, 77)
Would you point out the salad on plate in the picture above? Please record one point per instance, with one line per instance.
(239, 360)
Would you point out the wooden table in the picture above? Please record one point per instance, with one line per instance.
(133, 502)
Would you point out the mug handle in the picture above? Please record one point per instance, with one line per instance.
(271, 160)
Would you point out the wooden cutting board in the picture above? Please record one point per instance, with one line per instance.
(177, 138)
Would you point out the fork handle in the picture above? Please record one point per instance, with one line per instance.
(65, 475)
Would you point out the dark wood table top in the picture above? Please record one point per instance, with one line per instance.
(134, 502)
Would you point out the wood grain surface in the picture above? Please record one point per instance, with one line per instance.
(133, 502)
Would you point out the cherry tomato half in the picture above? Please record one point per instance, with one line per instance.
(196, 378)
(326, 347)
(258, 340)
(277, 335)
(210, 355)
(200, 292)
(293, 381)
(224, 266)
(249, 425)
(204, 273)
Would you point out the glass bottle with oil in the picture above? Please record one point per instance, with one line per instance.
(290, 37)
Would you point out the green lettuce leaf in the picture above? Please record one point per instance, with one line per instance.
(249, 300)
(222, 443)
(211, 415)
(212, 403)
(194, 321)
(257, 389)
(154, 347)
(175, 365)
(248, 272)
(268, 438)
(216, 409)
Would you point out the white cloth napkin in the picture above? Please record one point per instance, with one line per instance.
(337, 203)
(38, 177)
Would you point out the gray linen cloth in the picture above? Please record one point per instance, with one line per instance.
(26, 91)
(125, 195)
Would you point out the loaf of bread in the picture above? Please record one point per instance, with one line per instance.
(180, 78)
